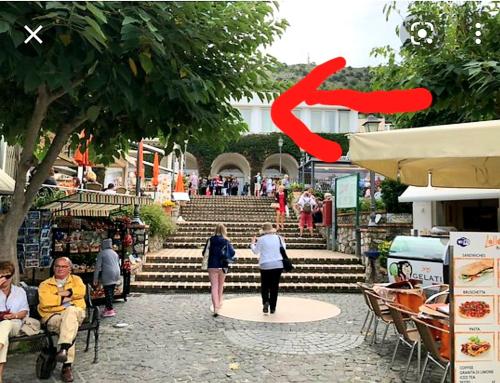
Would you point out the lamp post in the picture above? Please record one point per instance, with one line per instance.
(303, 161)
(371, 125)
(280, 145)
(184, 157)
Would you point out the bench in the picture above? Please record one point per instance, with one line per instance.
(90, 324)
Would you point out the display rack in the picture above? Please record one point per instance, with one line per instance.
(34, 240)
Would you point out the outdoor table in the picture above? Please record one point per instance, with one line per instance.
(409, 298)
(438, 318)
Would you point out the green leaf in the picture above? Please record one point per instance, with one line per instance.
(93, 112)
(97, 29)
(4, 26)
(129, 20)
(146, 62)
(96, 12)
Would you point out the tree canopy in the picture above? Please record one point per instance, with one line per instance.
(123, 71)
(463, 76)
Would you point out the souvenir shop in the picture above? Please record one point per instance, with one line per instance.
(74, 227)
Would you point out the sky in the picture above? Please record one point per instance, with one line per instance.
(325, 29)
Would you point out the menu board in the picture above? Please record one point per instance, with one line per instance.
(476, 282)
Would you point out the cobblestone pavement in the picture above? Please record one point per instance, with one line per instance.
(173, 338)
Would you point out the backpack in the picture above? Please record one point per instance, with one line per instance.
(46, 362)
(307, 208)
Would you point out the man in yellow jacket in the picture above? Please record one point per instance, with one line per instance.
(62, 308)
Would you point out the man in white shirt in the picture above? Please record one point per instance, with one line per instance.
(258, 180)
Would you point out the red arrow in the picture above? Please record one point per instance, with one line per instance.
(306, 90)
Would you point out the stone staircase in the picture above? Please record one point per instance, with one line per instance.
(243, 217)
(177, 268)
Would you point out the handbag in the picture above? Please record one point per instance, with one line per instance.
(287, 263)
(275, 205)
(205, 253)
(46, 362)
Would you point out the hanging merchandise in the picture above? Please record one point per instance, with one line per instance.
(34, 239)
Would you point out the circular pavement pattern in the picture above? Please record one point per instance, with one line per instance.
(294, 342)
(288, 310)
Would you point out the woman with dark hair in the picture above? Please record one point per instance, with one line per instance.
(280, 197)
(13, 309)
(217, 250)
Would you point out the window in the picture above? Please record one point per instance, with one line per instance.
(297, 112)
(344, 121)
(316, 125)
(267, 123)
(247, 115)
(330, 121)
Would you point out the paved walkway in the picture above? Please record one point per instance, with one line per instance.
(174, 338)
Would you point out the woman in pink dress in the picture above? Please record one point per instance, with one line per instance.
(280, 198)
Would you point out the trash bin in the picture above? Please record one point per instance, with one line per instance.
(419, 258)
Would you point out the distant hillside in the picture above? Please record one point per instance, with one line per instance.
(351, 78)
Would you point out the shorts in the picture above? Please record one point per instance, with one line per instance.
(257, 186)
(305, 219)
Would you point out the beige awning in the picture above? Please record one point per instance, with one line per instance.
(7, 183)
(87, 204)
(460, 155)
(428, 194)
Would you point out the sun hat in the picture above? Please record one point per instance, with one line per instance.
(267, 228)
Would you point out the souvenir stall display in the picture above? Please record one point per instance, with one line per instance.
(34, 240)
(79, 239)
(81, 221)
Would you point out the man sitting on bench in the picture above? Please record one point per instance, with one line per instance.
(62, 308)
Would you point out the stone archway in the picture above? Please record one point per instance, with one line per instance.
(234, 164)
(191, 164)
(289, 165)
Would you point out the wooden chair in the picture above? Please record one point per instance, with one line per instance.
(379, 315)
(407, 336)
(442, 288)
(433, 354)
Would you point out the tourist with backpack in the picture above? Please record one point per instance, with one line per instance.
(217, 254)
(305, 205)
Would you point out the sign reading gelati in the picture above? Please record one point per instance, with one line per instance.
(347, 191)
(476, 306)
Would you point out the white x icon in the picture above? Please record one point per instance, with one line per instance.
(33, 34)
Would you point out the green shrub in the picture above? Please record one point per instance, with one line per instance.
(46, 196)
(383, 249)
(391, 190)
(160, 224)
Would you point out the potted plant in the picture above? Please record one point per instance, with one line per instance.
(168, 205)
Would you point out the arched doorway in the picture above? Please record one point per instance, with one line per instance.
(289, 165)
(191, 164)
(232, 164)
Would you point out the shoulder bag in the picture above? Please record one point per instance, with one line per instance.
(287, 264)
(205, 253)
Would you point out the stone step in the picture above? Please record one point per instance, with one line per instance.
(253, 267)
(241, 245)
(160, 287)
(225, 219)
(297, 260)
(245, 234)
(230, 225)
(202, 276)
(242, 239)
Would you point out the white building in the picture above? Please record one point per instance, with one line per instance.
(319, 118)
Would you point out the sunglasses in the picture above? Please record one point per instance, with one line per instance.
(8, 276)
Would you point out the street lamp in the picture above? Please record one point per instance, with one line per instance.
(303, 161)
(280, 145)
(372, 124)
(185, 151)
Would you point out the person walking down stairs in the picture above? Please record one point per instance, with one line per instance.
(218, 249)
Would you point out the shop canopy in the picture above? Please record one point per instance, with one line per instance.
(428, 194)
(87, 204)
(7, 183)
(458, 156)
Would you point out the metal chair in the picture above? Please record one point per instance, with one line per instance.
(442, 288)
(407, 336)
(379, 315)
(424, 329)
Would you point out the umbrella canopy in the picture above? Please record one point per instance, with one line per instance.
(7, 184)
(140, 155)
(461, 155)
(179, 185)
(156, 170)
